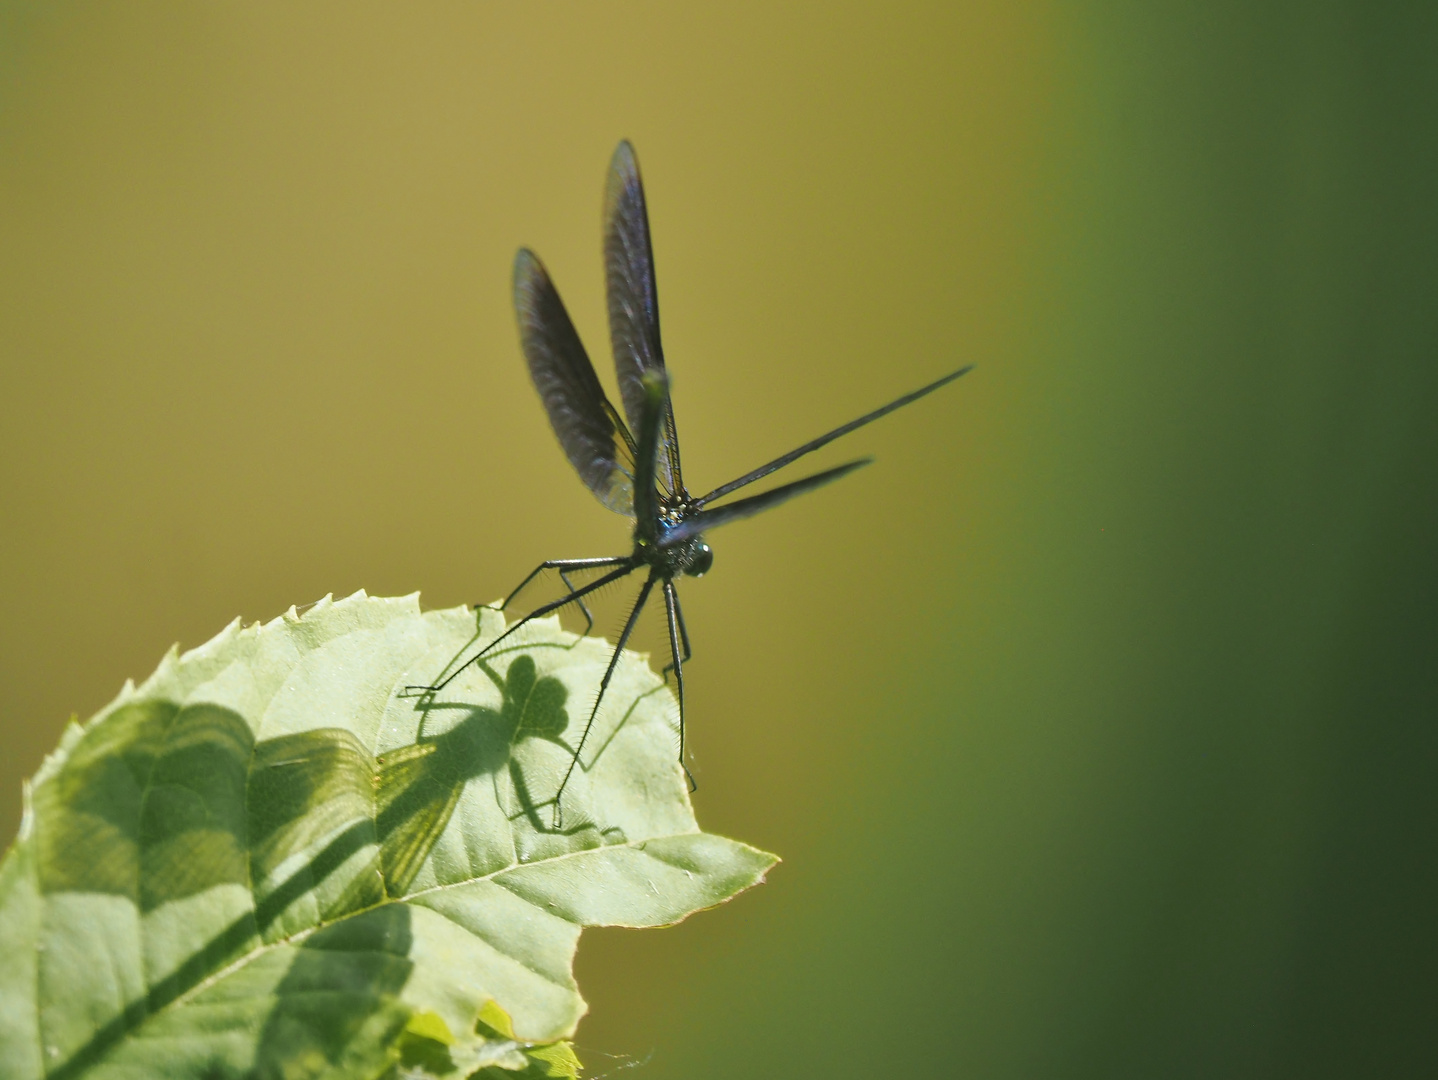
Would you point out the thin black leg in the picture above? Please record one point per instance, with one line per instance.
(627, 566)
(603, 685)
(562, 565)
(676, 613)
(583, 607)
(677, 635)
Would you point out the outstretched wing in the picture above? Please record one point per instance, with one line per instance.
(715, 516)
(634, 304)
(825, 439)
(593, 436)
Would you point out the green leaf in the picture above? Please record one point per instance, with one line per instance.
(272, 859)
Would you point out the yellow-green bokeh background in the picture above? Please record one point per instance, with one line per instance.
(1095, 722)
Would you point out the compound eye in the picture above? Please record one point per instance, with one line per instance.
(702, 562)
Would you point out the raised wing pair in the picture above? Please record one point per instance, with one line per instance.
(641, 476)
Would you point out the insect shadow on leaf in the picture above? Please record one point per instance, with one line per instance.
(533, 707)
(417, 787)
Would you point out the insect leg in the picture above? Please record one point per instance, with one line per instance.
(676, 634)
(583, 607)
(603, 685)
(626, 566)
(676, 614)
(561, 565)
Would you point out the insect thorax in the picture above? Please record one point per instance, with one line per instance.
(672, 558)
(689, 556)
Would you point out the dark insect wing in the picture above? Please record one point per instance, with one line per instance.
(591, 432)
(634, 304)
(828, 437)
(714, 516)
(651, 420)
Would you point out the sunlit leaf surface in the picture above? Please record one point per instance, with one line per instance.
(272, 859)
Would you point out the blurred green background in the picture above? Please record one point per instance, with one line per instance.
(1095, 722)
